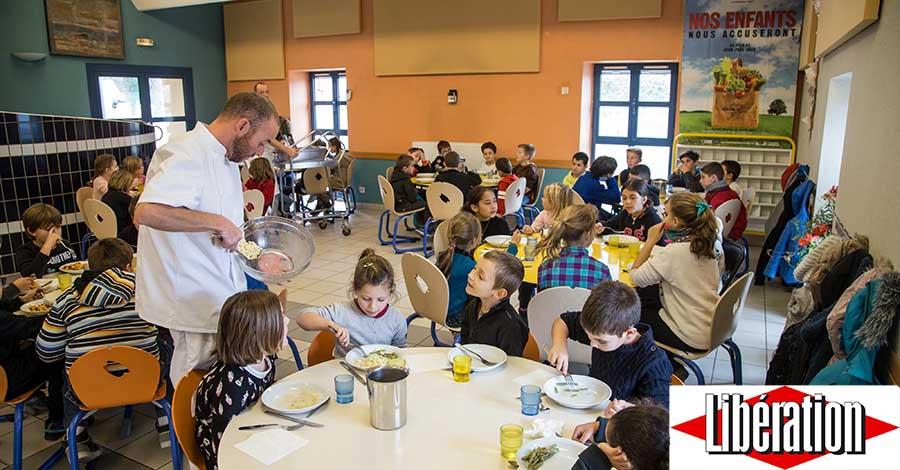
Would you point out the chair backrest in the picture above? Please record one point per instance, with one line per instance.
(748, 197)
(389, 172)
(115, 376)
(728, 310)
(532, 352)
(735, 253)
(315, 180)
(347, 179)
(321, 349)
(100, 218)
(444, 200)
(675, 380)
(83, 194)
(546, 307)
(183, 417)
(427, 287)
(540, 186)
(577, 199)
(253, 203)
(441, 237)
(387, 194)
(514, 195)
(728, 212)
(245, 173)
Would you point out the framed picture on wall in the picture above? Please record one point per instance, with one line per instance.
(86, 28)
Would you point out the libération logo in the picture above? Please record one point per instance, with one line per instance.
(785, 427)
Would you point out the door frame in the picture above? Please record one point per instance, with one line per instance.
(143, 74)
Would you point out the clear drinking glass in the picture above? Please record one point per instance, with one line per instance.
(343, 388)
(510, 440)
(530, 396)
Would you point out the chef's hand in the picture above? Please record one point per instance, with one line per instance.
(229, 234)
(585, 432)
(616, 456)
(342, 334)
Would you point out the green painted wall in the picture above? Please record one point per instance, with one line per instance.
(185, 37)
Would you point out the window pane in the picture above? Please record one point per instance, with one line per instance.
(169, 130)
(657, 158)
(166, 97)
(120, 98)
(612, 150)
(615, 85)
(653, 122)
(613, 121)
(345, 140)
(322, 90)
(324, 116)
(343, 117)
(342, 88)
(655, 85)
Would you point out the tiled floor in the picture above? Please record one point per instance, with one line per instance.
(326, 281)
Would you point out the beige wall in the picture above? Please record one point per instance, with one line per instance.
(870, 170)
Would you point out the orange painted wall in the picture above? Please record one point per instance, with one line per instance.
(387, 113)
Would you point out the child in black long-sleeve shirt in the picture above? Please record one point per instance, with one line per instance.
(406, 198)
(45, 250)
(488, 317)
(455, 174)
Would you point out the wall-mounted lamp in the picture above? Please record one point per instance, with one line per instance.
(29, 56)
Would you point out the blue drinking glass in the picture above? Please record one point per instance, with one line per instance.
(530, 396)
(343, 388)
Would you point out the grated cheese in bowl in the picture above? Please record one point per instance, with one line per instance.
(249, 250)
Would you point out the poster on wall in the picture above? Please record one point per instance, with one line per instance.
(739, 66)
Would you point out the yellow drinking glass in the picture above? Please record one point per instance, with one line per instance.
(614, 241)
(462, 368)
(510, 440)
(633, 250)
(65, 280)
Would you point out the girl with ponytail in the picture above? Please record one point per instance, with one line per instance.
(567, 255)
(685, 271)
(464, 234)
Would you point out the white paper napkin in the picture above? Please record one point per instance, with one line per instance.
(537, 377)
(271, 445)
(420, 363)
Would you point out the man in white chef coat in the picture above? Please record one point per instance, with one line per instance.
(189, 216)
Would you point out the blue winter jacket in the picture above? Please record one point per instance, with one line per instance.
(598, 191)
(784, 255)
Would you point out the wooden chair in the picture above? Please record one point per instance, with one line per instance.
(322, 348)
(728, 213)
(428, 292)
(83, 194)
(384, 221)
(546, 307)
(101, 219)
(346, 190)
(532, 208)
(675, 380)
(389, 172)
(725, 322)
(115, 376)
(513, 197)
(18, 419)
(253, 203)
(532, 351)
(444, 201)
(441, 239)
(184, 423)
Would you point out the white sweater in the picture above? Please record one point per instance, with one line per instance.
(688, 290)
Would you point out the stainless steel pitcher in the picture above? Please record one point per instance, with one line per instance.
(387, 397)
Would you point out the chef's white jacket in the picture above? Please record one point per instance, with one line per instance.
(183, 278)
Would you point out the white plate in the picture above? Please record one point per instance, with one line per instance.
(356, 354)
(47, 285)
(424, 180)
(425, 175)
(64, 269)
(679, 190)
(500, 241)
(487, 351)
(26, 307)
(597, 393)
(278, 397)
(624, 240)
(563, 460)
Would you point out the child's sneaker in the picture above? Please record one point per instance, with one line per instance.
(87, 449)
(162, 428)
(54, 430)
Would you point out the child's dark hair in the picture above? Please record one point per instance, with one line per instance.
(640, 171)
(700, 224)
(336, 143)
(603, 167)
(503, 164)
(638, 186)
(733, 168)
(611, 309)
(261, 170)
(475, 196)
(581, 157)
(443, 145)
(690, 154)
(251, 326)
(109, 253)
(642, 431)
(636, 151)
(372, 270)
(463, 232)
(510, 271)
(572, 227)
(714, 169)
(489, 145)
(451, 160)
(40, 216)
(102, 163)
(528, 149)
(403, 161)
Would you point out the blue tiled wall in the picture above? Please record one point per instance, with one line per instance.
(47, 158)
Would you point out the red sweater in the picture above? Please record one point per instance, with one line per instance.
(720, 196)
(501, 187)
(267, 187)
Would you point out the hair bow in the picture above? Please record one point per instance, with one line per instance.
(701, 207)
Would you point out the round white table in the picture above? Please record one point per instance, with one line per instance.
(449, 424)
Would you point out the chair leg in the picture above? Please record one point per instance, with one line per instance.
(295, 352)
(51, 461)
(737, 367)
(72, 439)
(127, 422)
(400, 238)
(175, 447)
(437, 342)
(695, 369)
(383, 221)
(425, 251)
(353, 197)
(17, 436)
(412, 317)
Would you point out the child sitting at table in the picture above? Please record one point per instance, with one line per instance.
(368, 318)
(464, 234)
(636, 437)
(686, 175)
(135, 166)
(406, 198)
(525, 168)
(104, 166)
(443, 148)
(422, 165)
(555, 198)
(598, 186)
(262, 178)
(712, 177)
(44, 250)
(488, 317)
(252, 329)
(685, 271)
(567, 251)
(579, 165)
(732, 170)
(504, 170)
(482, 203)
(118, 198)
(623, 354)
(455, 174)
(633, 157)
(642, 172)
(637, 214)
(489, 153)
(95, 312)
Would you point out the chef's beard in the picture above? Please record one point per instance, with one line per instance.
(240, 149)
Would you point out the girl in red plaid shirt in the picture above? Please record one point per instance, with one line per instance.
(567, 253)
